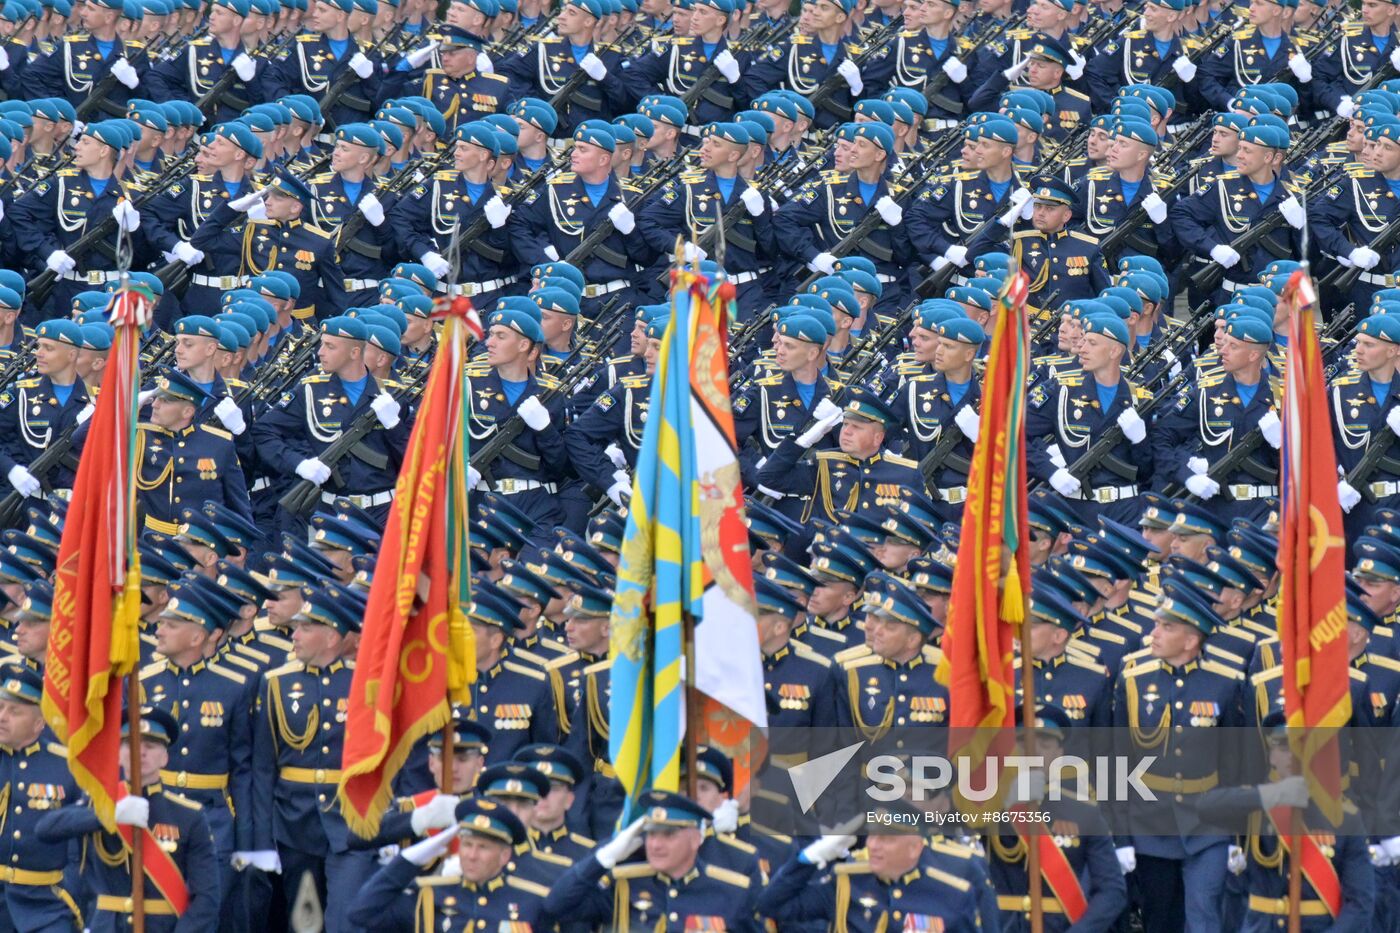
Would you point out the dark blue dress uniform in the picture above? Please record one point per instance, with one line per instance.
(674, 65)
(184, 469)
(367, 256)
(837, 482)
(1221, 212)
(423, 221)
(618, 416)
(177, 214)
(801, 66)
(1101, 207)
(802, 687)
(311, 67)
(852, 898)
(194, 72)
(770, 411)
(31, 418)
(1080, 688)
(179, 826)
(1344, 68)
(1358, 421)
(878, 694)
(947, 211)
(1131, 58)
(1352, 213)
(912, 63)
(467, 98)
(448, 903)
(77, 65)
(542, 71)
(515, 702)
(1067, 413)
(1240, 61)
(1068, 264)
(924, 404)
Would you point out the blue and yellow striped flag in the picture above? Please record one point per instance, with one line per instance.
(659, 576)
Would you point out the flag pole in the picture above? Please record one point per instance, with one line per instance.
(692, 705)
(1028, 722)
(1295, 873)
(133, 785)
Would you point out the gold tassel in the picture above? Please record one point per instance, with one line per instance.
(126, 639)
(460, 668)
(1013, 600)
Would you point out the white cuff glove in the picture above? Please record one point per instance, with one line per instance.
(246, 202)
(60, 262)
(957, 255)
(955, 69)
(1236, 861)
(4, 60)
(362, 66)
(374, 211)
(1292, 212)
(1347, 496)
(1134, 428)
(1202, 486)
(1300, 67)
(1198, 465)
(727, 66)
(1065, 483)
(1392, 849)
(1156, 208)
(818, 431)
(123, 72)
(593, 66)
(496, 212)
(827, 849)
(1075, 69)
(244, 66)
(824, 263)
(552, 253)
(127, 217)
(484, 65)
(1271, 428)
(968, 422)
(435, 263)
(771, 492)
(24, 482)
(187, 254)
(1127, 858)
(418, 57)
(261, 859)
(438, 813)
(387, 409)
(622, 219)
(1365, 257)
(1016, 71)
(313, 470)
(133, 811)
(426, 851)
(1392, 420)
(621, 489)
(1346, 106)
(616, 456)
(1290, 792)
(848, 70)
(535, 415)
(1225, 255)
(753, 201)
(1185, 69)
(1395, 58)
(87, 412)
(230, 415)
(938, 263)
(622, 845)
(144, 398)
(1033, 790)
(692, 252)
(726, 817)
(473, 477)
(826, 410)
(890, 212)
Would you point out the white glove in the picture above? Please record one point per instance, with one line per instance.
(127, 217)
(726, 817)
(593, 66)
(1346, 106)
(133, 811)
(848, 70)
(387, 409)
(230, 415)
(123, 72)
(622, 219)
(692, 252)
(1185, 69)
(817, 431)
(144, 398)
(890, 212)
(1134, 428)
(4, 60)
(622, 845)
(1156, 208)
(60, 262)
(824, 263)
(1292, 212)
(1236, 861)
(535, 415)
(621, 489)
(244, 66)
(552, 253)
(1202, 486)
(496, 211)
(86, 413)
(1034, 789)
(955, 69)
(438, 813)
(1198, 465)
(771, 493)
(1395, 62)
(374, 211)
(753, 201)
(261, 859)
(1347, 496)
(1392, 849)
(1378, 857)
(418, 57)
(473, 477)
(1225, 255)
(727, 66)
(24, 482)
(314, 470)
(1065, 483)
(484, 65)
(1127, 858)
(1290, 792)
(615, 454)
(957, 255)
(1017, 71)
(245, 203)
(1075, 69)
(1392, 420)
(826, 410)
(1300, 67)
(426, 851)
(187, 254)
(362, 66)
(1365, 257)
(1271, 428)
(827, 849)
(938, 263)
(968, 422)
(435, 263)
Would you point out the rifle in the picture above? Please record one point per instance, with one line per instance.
(595, 237)
(226, 80)
(1183, 335)
(821, 98)
(51, 456)
(335, 89)
(20, 363)
(1111, 244)
(948, 440)
(937, 281)
(1052, 319)
(403, 179)
(1081, 468)
(1343, 277)
(561, 97)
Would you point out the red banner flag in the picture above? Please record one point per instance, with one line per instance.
(993, 568)
(1312, 615)
(415, 650)
(93, 640)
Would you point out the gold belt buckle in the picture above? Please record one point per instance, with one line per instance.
(320, 775)
(95, 278)
(182, 778)
(1240, 490)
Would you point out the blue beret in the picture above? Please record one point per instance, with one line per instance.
(10, 299)
(1108, 326)
(860, 280)
(1270, 136)
(361, 134)
(997, 128)
(1024, 116)
(963, 330)
(240, 7)
(1138, 130)
(1382, 327)
(517, 320)
(556, 299)
(596, 133)
(595, 7)
(877, 110)
(303, 107)
(538, 113)
(967, 294)
(783, 107)
(729, 132)
(803, 327)
(1250, 330)
(342, 326)
(910, 97)
(479, 133)
(385, 338)
(108, 132)
(197, 325)
(241, 136)
(97, 336)
(878, 133)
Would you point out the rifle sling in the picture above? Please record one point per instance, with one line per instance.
(369, 456)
